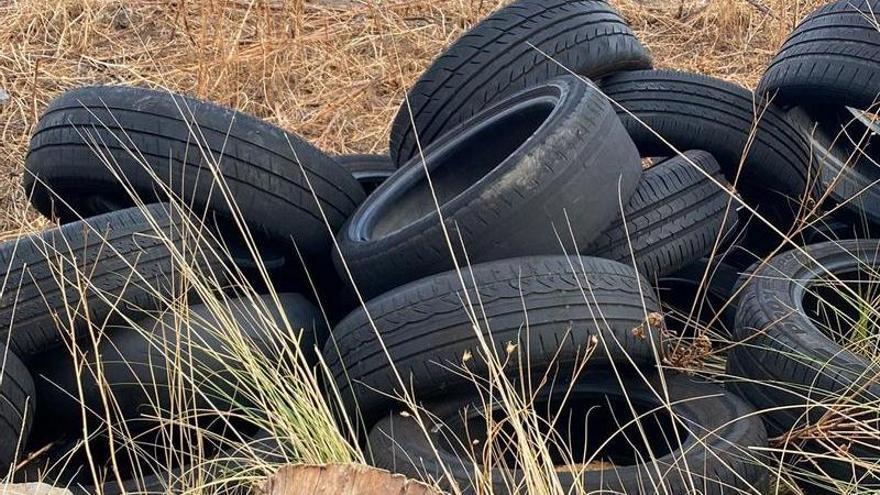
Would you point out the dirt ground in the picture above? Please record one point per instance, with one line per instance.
(334, 71)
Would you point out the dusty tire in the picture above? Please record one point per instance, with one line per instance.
(259, 164)
(137, 369)
(494, 60)
(831, 56)
(674, 218)
(787, 365)
(504, 179)
(16, 407)
(123, 256)
(428, 333)
(714, 459)
(698, 112)
(369, 170)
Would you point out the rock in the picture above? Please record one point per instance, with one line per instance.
(341, 479)
(31, 489)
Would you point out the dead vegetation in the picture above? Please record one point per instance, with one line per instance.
(334, 71)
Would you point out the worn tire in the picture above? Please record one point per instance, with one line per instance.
(494, 60)
(136, 369)
(16, 407)
(427, 331)
(847, 152)
(259, 164)
(369, 170)
(715, 459)
(504, 179)
(831, 56)
(786, 365)
(674, 218)
(680, 291)
(123, 256)
(699, 112)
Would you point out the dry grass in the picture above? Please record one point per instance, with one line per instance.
(334, 71)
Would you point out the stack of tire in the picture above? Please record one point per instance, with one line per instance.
(793, 361)
(113, 165)
(504, 160)
(512, 230)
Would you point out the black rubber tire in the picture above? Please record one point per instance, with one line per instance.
(427, 331)
(504, 179)
(699, 112)
(831, 56)
(674, 218)
(847, 154)
(16, 407)
(136, 369)
(259, 163)
(369, 170)
(786, 363)
(128, 265)
(498, 57)
(713, 460)
(680, 290)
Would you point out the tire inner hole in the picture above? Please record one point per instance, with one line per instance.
(461, 164)
(846, 311)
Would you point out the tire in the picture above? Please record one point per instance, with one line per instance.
(426, 330)
(136, 368)
(500, 56)
(698, 112)
(260, 164)
(786, 364)
(124, 256)
(504, 179)
(831, 56)
(674, 218)
(847, 154)
(369, 170)
(16, 407)
(709, 283)
(714, 459)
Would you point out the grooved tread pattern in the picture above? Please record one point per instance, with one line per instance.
(69, 279)
(832, 55)
(16, 406)
(142, 132)
(535, 303)
(514, 208)
(693, 111)
(496, 59)
(673, 219)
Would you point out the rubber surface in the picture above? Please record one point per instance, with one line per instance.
(708, 283)
(698, 112)
(143, 366)
(537, 305)
(788, 366)
(831, 56)
(675, 217)
(16, 408)
(847, 153)
(719, 456)
(369, 170)
(503, 180)
(61, 281)
(520, 45)
(144, 132)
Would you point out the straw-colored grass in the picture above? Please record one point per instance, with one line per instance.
(334, 71)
